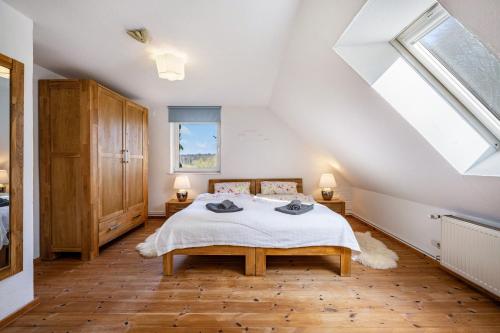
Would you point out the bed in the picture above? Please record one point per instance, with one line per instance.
(255, 233)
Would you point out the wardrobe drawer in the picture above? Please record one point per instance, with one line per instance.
(135, 214)
(111, 229)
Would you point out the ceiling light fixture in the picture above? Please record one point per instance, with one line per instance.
(140, 35)
(170, 66)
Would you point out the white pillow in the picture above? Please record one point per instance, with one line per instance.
(232, 187)
(288, 197)
(275, 187)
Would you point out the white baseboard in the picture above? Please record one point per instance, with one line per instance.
(158, 213)
(391, 235)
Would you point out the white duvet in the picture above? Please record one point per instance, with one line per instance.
(258, 225)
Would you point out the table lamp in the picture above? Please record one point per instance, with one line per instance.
(181, 184)
(327, 182)
(4, 180)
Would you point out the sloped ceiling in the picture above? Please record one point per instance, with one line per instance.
(233, 48)
(325, 101)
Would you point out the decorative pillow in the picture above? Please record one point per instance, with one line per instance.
(270, 187)
(235, 187)
(288, 197)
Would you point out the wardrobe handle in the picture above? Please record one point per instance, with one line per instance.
(113, 227)
(125, 156)
(137, 216)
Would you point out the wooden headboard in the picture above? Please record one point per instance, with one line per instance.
(300, 189)
(212, 182)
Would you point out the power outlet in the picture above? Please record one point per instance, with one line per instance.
(436, 243)
(434, 216)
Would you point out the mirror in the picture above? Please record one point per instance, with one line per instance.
(11, 165)
(4, 165)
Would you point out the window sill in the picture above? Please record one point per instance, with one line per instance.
(194, 173)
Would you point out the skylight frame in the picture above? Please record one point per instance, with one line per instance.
(482, 118)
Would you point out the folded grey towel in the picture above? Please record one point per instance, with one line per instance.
(303, 209)
(219, 207)
(226, 204)
(4, 202)
(294, 205)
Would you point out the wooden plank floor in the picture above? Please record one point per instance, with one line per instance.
(122, 292)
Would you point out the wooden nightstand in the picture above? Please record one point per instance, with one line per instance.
(336, 205)
(173, 206)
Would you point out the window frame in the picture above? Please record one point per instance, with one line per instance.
(176, 153)
(447, 84)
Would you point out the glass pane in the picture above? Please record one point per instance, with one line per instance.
(476, 67)
(198, 146)
(4, 165)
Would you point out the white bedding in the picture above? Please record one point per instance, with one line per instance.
(258, 225)
(289, 197)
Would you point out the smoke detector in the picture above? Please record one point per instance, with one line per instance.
(140, 35)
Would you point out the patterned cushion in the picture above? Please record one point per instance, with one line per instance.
(288, 197)
(235, 187)
(270, 187)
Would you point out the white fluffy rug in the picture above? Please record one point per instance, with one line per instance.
(374, 253)
(148, 249)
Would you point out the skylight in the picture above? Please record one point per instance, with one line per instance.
(435, 73)
(461, 63)
(432, 116)
(446, 84)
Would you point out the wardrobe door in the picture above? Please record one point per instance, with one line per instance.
(111, 145)
(136, 152)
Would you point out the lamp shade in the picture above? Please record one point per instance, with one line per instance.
(327, 180)
(4, 72)
(182, 183)
(170, 66)
(4, 177)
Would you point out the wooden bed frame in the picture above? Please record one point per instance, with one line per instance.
(255, 257)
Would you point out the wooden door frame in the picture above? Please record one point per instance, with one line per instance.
(16, 164)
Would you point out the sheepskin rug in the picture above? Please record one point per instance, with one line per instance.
(374, 253)
(148, 249)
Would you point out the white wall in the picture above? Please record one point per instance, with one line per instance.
(16, 41)
(328, 104)
(39, 73)
(255, 143)
(407, 220)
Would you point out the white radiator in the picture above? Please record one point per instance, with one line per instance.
(472, 251)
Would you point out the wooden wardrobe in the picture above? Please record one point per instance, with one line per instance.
(93, 166)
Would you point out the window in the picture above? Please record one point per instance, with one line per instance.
(459, 61)
(195, 139)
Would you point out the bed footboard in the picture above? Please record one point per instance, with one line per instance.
(343, 252)
(224, 250)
